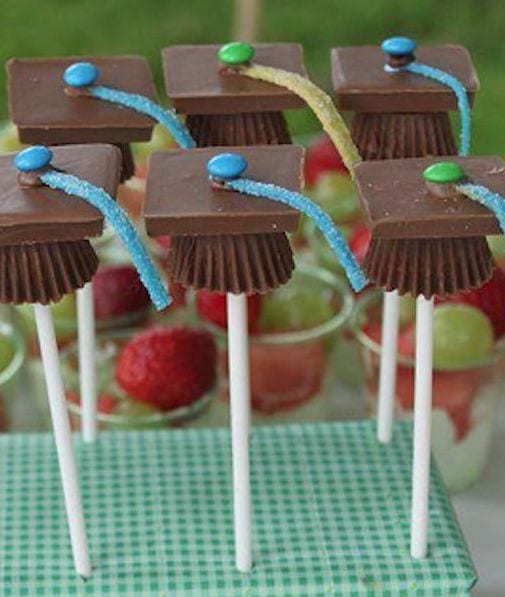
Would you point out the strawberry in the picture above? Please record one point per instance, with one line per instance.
(130, 196)
(164, 241)
(106, 403)
(489, 298)
(284, 377)
(360, 241)
(322, 157)
(405, 387)
(212, 307)
(406, 337)
(374, 331)
(168, 367)
(407, 340)
(118, 291)
(454, 392)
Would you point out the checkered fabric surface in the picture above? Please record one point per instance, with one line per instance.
(331, 516)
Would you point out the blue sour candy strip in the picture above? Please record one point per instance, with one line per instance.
(323, 221)
(140, 103)
(121, 223)
(486, 197)
(461, 94)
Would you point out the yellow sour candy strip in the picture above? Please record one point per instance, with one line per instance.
(320, 103)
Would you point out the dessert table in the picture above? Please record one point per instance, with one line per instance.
(480, 509)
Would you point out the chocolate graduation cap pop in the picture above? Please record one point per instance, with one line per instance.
(64, 101)
(54, 200)
(401, 95)
(45, 112)
(44, 254)
(229, 235)
(428, 239)
(224, 110)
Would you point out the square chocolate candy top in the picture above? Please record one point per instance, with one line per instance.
(196, 85)
(398, 203)
(181, 201)
(45, 114)
(362, 84)
(41, 214)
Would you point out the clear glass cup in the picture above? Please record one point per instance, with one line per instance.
(10, 376)
(135, 415)
(464, 399)
(293, 374)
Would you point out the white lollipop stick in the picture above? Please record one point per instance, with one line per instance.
(87, 361)
(63, 438)
(422, 428)
(247, 20)
(387, 374)
(238, 364)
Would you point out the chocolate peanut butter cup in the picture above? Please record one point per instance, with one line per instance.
(400, 114)
(221, 240)
(44, 251)
(227, 109)
(423, 243)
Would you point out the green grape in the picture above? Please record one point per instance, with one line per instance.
(6, 352)
(64, 313)
(407, 309)
(335, 193)
(9, 139)
(66, 308)
(294, 309)
(161, 139)
(136, 415)
(497, 245)
(463, 336)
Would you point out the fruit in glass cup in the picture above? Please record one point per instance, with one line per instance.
(156, 377)
(468, 376)
(292, 333)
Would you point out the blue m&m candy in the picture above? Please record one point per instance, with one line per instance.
(399, 46)
(226, 166)
(81, 74)
(37, 157)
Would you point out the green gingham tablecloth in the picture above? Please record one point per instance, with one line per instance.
(331, 516)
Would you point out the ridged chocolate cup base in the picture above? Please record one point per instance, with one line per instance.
(396, 136)
(44, 272)
(236, 263)
(261, 128)
(440, 267)
(128, 165)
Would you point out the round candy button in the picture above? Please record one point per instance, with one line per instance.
(236, 53)
(444, 173)
(226, 166)
(37, 157)
(81, 74)
(399, 46)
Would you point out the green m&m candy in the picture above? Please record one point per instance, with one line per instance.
(236, 53)
(444, 173)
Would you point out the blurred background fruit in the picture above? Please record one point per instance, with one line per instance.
(292, 350)
(147, 377)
